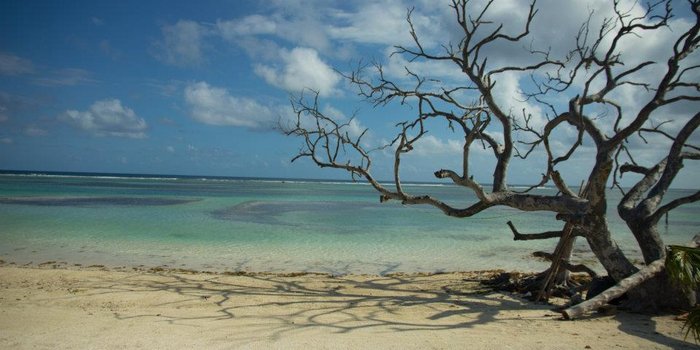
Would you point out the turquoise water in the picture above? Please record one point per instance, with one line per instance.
(270, 225)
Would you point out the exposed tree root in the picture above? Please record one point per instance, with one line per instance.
(530, 285)
(616, 291)
(580, 268)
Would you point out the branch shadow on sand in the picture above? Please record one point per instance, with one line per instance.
(274, 306)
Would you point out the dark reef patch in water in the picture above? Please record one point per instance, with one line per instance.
(270, 212)
(95, 201)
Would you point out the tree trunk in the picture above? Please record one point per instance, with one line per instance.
(647, 235)
(567, 248)
(653, 294)
(658, 293)
(606, 249)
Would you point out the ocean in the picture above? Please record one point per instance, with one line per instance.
(273, 225)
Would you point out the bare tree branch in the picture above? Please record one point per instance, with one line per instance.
(517, 236)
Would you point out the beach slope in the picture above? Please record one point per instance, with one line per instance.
(45, 308)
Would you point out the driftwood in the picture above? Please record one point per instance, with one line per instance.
(619, 289)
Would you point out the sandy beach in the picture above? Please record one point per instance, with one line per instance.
(95, 308)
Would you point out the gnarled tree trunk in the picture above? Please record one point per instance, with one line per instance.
(588, 77)
(658, 292)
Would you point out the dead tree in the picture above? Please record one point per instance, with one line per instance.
(588, 76)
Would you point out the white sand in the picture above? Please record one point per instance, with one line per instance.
(42, 308)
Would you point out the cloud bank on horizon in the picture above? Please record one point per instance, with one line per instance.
(184, 88)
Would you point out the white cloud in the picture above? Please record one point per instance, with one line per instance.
(33, 130)
(7, 140)
(381, 23)
(430, 145)
(302, 69)
(167, 88)
(303, 28)
(215, 106)
(333, 112)
(352, 127)
(509, 95)
(108, 118)
(66, 77)
(250, 25)
(181, 44)
(14, 65)
(11, 105)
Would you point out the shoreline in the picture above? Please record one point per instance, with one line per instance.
(97, 307)
(331, 268)
(166, 269)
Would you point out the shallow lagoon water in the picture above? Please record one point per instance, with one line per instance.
(271, 225)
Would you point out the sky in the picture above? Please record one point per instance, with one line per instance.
(197, 88)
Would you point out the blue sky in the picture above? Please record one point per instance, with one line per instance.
(190, 88)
